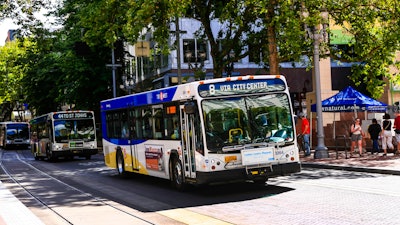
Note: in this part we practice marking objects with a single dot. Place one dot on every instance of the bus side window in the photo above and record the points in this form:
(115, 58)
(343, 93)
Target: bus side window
(138, 123)
(124, 126)
(132, 122)
(158, 124)
(125, 130)
(147, 126)
(176, 131)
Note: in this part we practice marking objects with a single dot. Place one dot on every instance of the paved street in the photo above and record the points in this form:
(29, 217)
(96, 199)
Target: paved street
(314, 196)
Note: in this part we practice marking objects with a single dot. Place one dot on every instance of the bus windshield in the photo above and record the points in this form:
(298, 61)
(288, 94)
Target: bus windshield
(66, 130)
(248, 119)
(17, 131)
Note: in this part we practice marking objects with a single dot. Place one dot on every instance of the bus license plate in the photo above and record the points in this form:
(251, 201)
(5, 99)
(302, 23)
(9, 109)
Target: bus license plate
(257, 156)
(76, 144)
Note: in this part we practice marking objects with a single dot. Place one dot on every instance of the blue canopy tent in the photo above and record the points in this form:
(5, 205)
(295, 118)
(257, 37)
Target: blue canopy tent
(349, 100)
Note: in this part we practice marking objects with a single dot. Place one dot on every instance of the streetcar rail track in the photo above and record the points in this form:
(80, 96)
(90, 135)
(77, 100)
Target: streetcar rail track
(43, 202)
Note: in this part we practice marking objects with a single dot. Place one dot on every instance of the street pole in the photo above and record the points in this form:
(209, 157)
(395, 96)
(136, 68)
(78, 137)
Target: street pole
(321, 151)
(114, 68)
(113, 73)
(178, 50)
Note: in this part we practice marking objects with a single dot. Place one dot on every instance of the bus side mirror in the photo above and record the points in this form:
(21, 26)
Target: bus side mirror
(190, 108)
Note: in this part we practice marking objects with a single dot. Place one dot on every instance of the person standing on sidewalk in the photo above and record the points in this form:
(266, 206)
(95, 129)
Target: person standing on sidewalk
(374, 131)
(386, 134)
(305, 132)
(356, 136)
(396, 127)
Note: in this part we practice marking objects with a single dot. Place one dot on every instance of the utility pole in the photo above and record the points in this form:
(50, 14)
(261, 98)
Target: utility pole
(114, 68)
(178, 50)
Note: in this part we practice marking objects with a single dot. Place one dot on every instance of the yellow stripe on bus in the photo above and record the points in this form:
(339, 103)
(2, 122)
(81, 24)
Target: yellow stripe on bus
(192, 218)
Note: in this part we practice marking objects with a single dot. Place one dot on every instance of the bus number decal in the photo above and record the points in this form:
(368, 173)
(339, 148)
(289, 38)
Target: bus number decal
(212, 89)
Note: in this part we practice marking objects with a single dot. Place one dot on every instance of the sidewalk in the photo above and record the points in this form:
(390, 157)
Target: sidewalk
(13, 212)
(389, 164)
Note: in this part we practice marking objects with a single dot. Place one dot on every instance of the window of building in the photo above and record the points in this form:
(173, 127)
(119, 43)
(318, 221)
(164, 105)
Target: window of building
(195, 50)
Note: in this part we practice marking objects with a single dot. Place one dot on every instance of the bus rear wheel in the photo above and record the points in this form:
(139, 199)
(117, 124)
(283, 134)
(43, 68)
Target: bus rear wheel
(120, 163)
(177, 175)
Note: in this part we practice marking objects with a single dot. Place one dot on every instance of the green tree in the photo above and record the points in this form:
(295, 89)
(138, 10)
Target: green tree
(263, 24)
(281, 35)
(276, 27)
(24, 14)
(58, 76)
(12, 72)
(375, 28)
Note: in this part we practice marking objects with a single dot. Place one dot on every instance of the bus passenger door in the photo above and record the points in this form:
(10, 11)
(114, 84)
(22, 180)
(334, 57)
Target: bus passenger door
(188, 135)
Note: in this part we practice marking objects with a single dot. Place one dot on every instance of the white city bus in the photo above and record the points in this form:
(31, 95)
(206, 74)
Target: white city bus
(203, 132)
(14, 135)
(64, 134)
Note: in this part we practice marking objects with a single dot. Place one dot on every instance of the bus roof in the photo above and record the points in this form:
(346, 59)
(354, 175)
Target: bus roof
(172, 93)
(58, 113)
(12, 122)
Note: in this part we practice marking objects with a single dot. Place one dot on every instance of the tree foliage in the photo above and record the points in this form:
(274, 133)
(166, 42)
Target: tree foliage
(375, 27)
(277, 27)
(58, 76)
(48, 70)
(24, 14)
(53, 72)
(12, 71)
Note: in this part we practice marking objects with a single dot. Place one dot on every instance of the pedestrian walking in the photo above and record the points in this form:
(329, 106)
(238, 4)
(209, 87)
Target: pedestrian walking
(396, 127)
(386, 134)
(357, 135)
(305, 132)
(374, 131)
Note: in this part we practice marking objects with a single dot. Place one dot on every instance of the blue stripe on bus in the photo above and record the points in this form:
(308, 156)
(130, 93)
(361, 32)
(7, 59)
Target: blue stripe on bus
(145, 98)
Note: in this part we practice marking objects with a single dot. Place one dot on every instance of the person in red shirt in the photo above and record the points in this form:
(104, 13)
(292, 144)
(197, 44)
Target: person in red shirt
(305, 131)
(396, 127)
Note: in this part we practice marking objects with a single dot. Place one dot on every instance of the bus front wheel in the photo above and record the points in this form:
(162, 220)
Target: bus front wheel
(120, 163)
(177, 175)
(50, 156)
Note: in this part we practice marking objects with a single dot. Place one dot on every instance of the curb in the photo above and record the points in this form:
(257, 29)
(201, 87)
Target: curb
(351, 168)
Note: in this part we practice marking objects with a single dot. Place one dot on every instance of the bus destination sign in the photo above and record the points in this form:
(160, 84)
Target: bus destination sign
(73, 115)
(241, 87)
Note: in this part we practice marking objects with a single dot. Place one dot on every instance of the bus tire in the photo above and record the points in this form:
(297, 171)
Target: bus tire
(49, 155)
(177, 175)
(120, 163)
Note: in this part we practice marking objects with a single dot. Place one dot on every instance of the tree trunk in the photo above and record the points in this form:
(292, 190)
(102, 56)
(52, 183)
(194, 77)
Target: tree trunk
(272, 45)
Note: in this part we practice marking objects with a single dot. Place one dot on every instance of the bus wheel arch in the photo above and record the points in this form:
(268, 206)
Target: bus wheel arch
(177, 173)
(120, 162)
